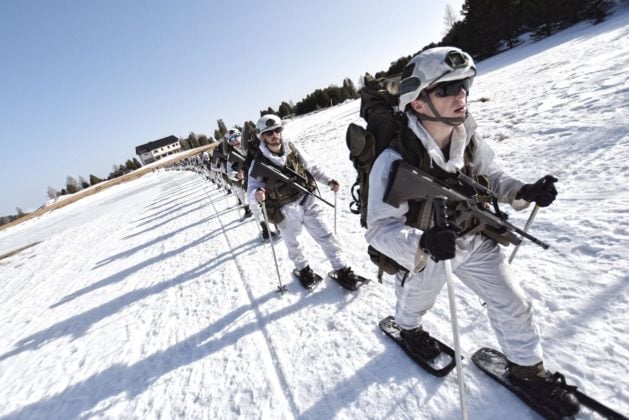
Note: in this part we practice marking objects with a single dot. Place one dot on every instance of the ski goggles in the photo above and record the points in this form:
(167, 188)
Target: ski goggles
(234, 138)
(277, 130)
(453, 88)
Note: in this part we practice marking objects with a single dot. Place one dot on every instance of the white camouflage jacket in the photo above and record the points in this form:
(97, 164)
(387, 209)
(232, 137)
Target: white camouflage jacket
(386, 228)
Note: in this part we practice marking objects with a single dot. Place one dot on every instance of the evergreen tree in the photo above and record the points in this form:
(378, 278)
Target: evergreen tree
(269, 110)
(137, 163)
(221, 131)
(449, 19)
(597, 10)
(83, 183)
(203, 140)
(249, 140)
(52, 192)
(284, 110)
(193, 140)
(221, 126)
(94, 179)
(349, 89)
(72, 185)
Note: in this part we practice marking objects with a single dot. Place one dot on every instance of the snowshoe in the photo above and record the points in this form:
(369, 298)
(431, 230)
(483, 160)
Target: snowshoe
(439, 365)
(550, 396)
(420, 343)
(348, 279)
(308, 278)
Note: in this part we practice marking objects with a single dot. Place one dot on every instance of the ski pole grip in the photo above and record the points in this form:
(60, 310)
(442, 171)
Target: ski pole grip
(439, 209)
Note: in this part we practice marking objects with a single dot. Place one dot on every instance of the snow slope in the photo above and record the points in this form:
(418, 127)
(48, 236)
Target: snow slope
(153, 300)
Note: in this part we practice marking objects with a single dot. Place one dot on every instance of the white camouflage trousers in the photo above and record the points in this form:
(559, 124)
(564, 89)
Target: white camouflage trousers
(309, 215)
(480, 264)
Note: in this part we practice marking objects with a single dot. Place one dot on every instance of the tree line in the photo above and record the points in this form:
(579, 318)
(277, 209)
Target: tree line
(319, 99)
(492, 26)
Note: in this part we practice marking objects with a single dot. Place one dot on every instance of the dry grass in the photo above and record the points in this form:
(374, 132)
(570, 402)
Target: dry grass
(16, 251)
(104, 185)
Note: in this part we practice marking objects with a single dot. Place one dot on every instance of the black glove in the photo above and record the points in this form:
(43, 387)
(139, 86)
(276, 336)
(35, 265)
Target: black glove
(543, 192)
(439, 242)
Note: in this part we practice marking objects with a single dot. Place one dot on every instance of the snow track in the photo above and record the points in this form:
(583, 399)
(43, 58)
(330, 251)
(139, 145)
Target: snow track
(273, 360)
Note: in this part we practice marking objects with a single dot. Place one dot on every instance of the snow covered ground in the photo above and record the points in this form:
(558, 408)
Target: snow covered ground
(153, 300)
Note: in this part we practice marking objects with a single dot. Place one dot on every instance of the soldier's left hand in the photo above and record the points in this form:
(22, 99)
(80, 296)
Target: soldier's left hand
(543, 192)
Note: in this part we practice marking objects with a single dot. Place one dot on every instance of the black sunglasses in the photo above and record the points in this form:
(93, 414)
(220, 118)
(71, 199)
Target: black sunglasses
(451, 88)
(278, 130)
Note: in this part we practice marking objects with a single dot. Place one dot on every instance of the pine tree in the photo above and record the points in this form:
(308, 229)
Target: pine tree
(284, 110)
(83, 183)
(449, 19)
(52, 192)
(268, 111)
(72, 185)
(349, 88)
(221, 131)
(597, 10)
(203, 140)
(94, 179)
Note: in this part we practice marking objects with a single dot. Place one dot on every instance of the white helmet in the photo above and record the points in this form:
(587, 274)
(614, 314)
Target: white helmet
(266, 123)
(233, 135)
(205, 156)
(434, 65)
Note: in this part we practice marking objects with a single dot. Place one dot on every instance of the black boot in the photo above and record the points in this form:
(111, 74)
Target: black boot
(247, 212)
(347, 278)
(420, 342)
(307, 277)
(266, 232)
(549, 389)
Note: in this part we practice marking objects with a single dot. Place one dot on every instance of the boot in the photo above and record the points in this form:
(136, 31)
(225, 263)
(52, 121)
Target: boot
(347, 278)
(307, 277)
(266, 232)
(247, 212)
(420, 342)
(548, 388)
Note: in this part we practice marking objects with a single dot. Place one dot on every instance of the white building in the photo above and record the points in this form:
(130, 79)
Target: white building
(155, 150)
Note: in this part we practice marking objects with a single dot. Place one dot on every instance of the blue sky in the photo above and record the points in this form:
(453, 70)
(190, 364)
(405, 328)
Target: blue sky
(83, 82)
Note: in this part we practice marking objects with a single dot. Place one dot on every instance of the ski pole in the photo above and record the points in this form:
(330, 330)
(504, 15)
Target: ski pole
(281, 288)
(335, 213)
(439, 205)
(526, 228)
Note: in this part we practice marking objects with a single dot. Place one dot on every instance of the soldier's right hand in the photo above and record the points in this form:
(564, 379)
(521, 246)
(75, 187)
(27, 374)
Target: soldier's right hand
(260, 196)
(439, 242)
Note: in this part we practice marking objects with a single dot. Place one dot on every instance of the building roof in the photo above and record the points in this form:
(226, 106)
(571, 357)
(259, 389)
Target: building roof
(152, 145)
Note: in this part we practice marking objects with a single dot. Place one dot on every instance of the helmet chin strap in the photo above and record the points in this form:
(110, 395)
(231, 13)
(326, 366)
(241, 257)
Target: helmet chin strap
(453, 121)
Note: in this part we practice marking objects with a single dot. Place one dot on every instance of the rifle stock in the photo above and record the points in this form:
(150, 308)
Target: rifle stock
(273, 175)
(409, 183)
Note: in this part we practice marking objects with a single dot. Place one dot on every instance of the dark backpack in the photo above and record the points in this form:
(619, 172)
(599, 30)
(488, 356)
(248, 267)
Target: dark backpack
(378, 107)
(378, 103)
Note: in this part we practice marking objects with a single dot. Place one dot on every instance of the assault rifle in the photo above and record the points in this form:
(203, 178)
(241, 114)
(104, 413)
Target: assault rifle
(217, 156)
(236, 159)
(409, 183)
(273, 175)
